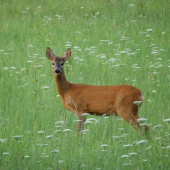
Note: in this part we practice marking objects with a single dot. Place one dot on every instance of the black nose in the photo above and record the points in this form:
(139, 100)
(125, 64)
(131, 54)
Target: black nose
(57, 71)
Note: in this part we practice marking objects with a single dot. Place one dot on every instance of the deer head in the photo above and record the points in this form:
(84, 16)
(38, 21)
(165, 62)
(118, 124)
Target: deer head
(57, 62)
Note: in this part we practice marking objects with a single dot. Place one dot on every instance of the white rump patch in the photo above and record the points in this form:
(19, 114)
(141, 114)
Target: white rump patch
(143, 98)
(138, 103)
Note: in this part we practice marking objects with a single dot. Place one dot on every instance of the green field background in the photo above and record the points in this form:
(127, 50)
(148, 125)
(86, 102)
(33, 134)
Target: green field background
(112, 42)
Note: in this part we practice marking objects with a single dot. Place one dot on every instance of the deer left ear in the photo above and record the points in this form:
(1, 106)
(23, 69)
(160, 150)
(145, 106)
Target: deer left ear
(67, 54)
(49, 53)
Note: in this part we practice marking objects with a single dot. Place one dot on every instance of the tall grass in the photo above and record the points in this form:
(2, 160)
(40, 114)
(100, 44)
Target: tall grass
(112, 42)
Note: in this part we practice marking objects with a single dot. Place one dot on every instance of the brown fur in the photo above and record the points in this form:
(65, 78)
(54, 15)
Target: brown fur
(95, 100)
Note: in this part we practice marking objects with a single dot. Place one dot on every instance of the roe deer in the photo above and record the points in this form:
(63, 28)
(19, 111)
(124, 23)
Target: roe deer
(96, 100)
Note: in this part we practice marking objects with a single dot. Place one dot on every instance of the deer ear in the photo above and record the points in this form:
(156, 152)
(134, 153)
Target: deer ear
(49, 53)
(67, 54)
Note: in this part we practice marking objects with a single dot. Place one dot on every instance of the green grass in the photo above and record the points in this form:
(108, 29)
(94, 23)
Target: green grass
(112, 42)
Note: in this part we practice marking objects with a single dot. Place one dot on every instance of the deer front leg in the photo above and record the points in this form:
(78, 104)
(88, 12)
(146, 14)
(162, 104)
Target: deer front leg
(79, 126)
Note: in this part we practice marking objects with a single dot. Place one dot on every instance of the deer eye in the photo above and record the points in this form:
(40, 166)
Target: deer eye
(62, 64)
(52, 63)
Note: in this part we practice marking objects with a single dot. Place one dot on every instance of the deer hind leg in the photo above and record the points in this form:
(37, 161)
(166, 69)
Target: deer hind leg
(130, 115)
(135, 114)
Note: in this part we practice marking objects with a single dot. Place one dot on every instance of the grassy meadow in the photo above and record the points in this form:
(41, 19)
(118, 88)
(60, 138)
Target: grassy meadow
(112, 42)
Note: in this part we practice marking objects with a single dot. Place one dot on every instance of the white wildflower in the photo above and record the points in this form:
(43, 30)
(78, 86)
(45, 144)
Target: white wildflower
(91, 119)
(141, 142)
(167, 147)
(87, 122)
(132, 5)
(111, 60)
(105, 40)
(77, 32)
(143, 124)
(3, 140)
(5, 153)
(85, 114)
(58, 131)
(85, 130)
(127, 164)
(157, 126)
(59, 122)
(154, 91)
(138, 103)
(150, 147)
(125, 156)
(6, 68)
(67, 130)
(166, 120)
(23, 69)
(133, 153)
(38, 66)
(115, 137)
(45, 87)
(104, 145)
(30, 45)
(48, 137)
(77, 120)
(134, 80)
(55, 151)
(110, 43)
(142, 119)
(120, 129)
(103, 56)
(158, 138)
(149, 30)
(68, 45)
(124, 135)
(128, 145)
(40, 132)
(18, 137)
(26, 156)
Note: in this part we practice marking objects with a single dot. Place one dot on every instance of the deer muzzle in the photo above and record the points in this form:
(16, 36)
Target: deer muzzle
(57, 71)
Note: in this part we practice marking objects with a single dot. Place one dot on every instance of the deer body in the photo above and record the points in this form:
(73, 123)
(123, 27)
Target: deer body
(95, 100)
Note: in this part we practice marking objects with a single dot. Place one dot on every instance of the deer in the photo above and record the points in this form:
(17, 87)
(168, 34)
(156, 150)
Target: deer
(119, 100)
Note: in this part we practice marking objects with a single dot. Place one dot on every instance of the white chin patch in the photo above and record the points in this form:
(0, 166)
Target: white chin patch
(56, 73)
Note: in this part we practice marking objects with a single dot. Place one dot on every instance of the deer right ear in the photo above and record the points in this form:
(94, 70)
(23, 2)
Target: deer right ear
(49, 53)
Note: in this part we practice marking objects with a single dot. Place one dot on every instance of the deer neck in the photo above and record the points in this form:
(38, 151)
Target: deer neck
(61, 83)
